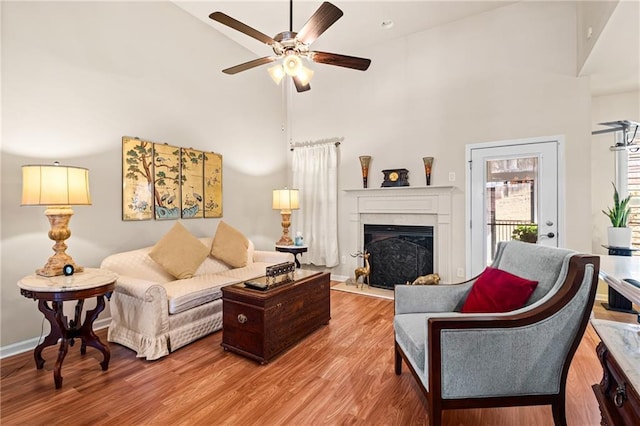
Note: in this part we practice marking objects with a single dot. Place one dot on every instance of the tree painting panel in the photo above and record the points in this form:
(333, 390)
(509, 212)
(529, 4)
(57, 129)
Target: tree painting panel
(137, 179)
(166, 193)
(192, 162)
(212, 185)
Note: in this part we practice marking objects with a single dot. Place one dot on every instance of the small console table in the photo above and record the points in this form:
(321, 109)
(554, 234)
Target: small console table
(295, 250)
(622, 275)
(619, 354)
(55, 291)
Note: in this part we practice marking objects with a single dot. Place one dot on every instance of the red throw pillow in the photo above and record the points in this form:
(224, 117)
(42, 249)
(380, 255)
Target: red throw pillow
(496, 290)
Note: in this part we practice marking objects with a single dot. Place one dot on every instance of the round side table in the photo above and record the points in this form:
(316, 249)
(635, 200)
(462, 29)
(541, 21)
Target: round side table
(51, 293)
(295, 250)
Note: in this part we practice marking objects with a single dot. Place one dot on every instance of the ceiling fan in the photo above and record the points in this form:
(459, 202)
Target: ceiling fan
(291, 47)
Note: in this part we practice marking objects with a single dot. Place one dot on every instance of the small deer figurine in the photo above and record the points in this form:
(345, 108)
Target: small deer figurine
(364, 271)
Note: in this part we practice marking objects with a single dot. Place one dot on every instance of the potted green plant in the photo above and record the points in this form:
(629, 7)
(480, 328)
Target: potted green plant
(527, 233)
(619, 235)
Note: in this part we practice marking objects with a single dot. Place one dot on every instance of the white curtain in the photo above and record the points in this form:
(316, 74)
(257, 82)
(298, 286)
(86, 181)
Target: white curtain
(315, 175)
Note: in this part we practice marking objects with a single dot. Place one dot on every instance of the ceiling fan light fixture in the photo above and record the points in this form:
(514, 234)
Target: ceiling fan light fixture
(292, 64)
(276, 73)
(305, 75)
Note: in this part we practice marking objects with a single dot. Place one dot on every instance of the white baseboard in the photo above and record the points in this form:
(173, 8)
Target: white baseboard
(30, 344)
(335, 277)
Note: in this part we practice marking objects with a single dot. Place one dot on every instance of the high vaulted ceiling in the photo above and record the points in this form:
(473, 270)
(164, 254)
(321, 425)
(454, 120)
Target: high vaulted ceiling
(613, 64)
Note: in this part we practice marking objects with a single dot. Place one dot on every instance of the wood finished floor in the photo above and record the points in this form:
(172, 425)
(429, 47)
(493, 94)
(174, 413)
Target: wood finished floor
(340, 375)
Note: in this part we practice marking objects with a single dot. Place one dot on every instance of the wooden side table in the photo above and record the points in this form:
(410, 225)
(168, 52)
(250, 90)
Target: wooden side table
(295, 250)
(56, 290)
(619, 354)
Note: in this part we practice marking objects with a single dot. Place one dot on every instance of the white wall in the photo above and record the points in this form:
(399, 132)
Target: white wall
(592, 19)
(620, 106)
(76, 77)
(506, 74)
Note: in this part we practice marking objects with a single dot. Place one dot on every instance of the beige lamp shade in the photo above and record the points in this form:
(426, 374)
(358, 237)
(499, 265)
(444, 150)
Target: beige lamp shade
(285, 199)
(55, 185)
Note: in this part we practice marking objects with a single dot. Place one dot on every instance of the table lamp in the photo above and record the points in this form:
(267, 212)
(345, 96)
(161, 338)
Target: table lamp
(285, 200)
(57, 187)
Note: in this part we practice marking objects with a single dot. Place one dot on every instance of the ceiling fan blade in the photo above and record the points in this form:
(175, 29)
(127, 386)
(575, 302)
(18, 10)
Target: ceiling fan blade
(340, 60)
(326, 15)
(243, 28)
(251, 64)
(299, 86)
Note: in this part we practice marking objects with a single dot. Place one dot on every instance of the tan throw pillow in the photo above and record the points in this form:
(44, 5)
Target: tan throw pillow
(230, 246)
(179, 252)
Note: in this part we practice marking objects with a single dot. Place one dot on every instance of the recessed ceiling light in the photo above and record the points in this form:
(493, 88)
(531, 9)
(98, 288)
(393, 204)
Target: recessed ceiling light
(387, 24)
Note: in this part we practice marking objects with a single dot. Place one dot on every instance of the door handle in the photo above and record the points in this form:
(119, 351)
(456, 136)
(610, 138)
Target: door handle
(547, 235)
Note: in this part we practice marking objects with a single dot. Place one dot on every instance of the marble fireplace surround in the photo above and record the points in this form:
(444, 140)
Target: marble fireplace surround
(421, 206)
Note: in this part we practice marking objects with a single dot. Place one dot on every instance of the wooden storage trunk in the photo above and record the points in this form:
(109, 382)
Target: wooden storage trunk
(260, 324)
(618, 399)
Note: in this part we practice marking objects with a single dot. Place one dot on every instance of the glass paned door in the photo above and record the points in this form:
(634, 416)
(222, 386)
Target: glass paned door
(511, 201)
(513, 195)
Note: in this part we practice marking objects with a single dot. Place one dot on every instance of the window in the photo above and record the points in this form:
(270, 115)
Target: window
(633, 182)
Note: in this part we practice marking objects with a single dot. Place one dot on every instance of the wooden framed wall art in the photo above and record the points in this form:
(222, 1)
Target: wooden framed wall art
(166, 164)
(212, 185)
(137, 179)
(162, 181)
(192, 162)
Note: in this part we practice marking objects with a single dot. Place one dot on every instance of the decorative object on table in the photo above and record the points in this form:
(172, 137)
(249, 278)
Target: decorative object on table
(527, 233)
(284, 268)
(289, 47)
(275, 275)
(363, 271)
(365, 160)
(285, 200)
(430, 279)
(68, 270)
(299, 239)
(619, 235)
(428, 164)
(395, 177)
(57, 187)
(167, 182)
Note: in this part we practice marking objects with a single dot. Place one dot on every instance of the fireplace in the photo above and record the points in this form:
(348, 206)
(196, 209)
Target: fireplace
(398, 253)
(411, 206)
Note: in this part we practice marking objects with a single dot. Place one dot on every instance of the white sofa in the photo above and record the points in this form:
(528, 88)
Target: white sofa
(154, 314)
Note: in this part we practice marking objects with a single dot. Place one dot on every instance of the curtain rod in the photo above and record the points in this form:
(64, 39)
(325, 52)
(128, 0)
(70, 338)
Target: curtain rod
(335, 141)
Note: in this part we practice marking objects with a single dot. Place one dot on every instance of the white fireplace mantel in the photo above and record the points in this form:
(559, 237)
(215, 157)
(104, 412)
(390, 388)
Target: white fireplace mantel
(408, 205)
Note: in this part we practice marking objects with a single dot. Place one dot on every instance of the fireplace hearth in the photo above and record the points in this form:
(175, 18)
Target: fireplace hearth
(398, 253)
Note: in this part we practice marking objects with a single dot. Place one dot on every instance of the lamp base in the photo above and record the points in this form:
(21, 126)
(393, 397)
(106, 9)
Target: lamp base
(285, 239)
(59, 219)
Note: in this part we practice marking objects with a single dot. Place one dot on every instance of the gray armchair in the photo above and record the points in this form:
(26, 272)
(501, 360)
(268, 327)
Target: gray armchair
(498, 360)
